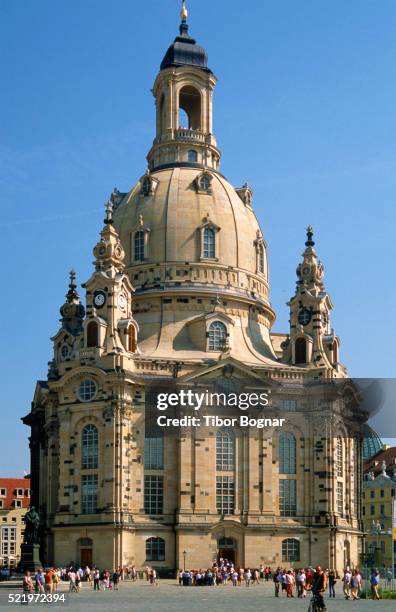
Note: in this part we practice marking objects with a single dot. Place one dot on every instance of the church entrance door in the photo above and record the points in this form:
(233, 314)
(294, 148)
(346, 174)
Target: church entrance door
(227, 549)
(227, 553)
(86, 557)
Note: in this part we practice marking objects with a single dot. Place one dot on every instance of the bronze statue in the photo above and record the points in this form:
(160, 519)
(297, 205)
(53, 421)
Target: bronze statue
(32, 524)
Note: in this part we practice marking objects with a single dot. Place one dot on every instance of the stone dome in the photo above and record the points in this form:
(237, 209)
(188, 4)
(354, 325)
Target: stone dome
(194, 250)
(173, 214)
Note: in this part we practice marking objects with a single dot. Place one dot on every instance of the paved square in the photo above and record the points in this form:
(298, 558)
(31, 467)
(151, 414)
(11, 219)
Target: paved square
(169, 596)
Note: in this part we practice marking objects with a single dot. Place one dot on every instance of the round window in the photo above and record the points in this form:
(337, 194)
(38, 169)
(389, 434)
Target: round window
(87, 390)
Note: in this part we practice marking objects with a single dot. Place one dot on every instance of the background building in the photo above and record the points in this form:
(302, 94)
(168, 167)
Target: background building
(180, 296)
(14, 502)
(379, 490)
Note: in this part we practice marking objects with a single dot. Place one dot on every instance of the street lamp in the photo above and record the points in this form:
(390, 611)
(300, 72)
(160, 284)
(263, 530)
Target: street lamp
(184, 559)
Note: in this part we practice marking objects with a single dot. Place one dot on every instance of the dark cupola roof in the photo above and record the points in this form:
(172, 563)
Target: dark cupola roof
(184, 50)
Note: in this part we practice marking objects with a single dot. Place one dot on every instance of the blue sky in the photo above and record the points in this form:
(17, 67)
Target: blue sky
(304, 111)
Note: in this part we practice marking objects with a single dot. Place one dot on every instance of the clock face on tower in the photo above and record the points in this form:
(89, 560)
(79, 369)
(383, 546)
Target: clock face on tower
(122, 301)
(304, 316)
(99, 299)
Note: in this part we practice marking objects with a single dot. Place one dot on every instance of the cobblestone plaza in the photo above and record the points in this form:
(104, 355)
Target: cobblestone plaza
(168, 595)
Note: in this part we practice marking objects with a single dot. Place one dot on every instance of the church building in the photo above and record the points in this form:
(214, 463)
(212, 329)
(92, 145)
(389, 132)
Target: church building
(179, 296)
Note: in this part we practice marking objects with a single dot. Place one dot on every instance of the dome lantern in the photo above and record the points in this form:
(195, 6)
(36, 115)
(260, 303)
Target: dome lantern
(183, 91)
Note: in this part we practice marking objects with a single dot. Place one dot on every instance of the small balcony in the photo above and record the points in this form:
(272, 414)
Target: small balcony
(188, 134)
(90, 353)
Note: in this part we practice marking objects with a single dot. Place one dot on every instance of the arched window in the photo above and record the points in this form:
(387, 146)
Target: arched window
(217, 336)
(155, 549)
(192, 156)
(139, 246)
(260, 259)
(209, 243)
(205, 182)
(301, 350)
(287, 453)
(225, 450)
(190, 103)
(92, 334)
(132, 339)
(290, 550)
(89, 445)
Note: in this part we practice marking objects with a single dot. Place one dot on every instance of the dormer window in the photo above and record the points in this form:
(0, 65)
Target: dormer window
(203, 183)
(149, 185)
(140, 242)
(138, 245)
(209, 242)
(261, 261)
(246, 194)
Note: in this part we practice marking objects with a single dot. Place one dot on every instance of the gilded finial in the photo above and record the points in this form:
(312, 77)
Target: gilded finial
(183, 28)
(184, 12)
(309, 242)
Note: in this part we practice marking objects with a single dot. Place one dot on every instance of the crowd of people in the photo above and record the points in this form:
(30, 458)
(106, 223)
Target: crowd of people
(289, 582)
(47, 581)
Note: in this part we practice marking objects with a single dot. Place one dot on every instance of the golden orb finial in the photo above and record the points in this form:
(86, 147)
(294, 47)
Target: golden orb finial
(184, 12)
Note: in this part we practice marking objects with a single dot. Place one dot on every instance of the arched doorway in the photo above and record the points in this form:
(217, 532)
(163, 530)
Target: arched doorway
(84, 546)
(300, 351)
(190, 108)
(227, 549)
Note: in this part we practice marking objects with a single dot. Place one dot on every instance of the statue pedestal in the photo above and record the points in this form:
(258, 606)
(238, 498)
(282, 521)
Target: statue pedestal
(30, 557)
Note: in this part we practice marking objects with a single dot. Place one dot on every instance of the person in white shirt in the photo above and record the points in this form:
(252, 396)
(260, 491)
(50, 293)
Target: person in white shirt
(347, 583)
(72, 582)
(248, 577)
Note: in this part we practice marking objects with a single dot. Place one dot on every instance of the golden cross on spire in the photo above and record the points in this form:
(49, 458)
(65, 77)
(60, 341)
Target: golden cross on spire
(184, 12)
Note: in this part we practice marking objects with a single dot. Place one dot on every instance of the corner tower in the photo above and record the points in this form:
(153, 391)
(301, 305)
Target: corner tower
(313, 343)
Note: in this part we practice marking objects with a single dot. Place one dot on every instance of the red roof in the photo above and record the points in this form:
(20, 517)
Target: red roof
(12, 487)
(375, 463)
